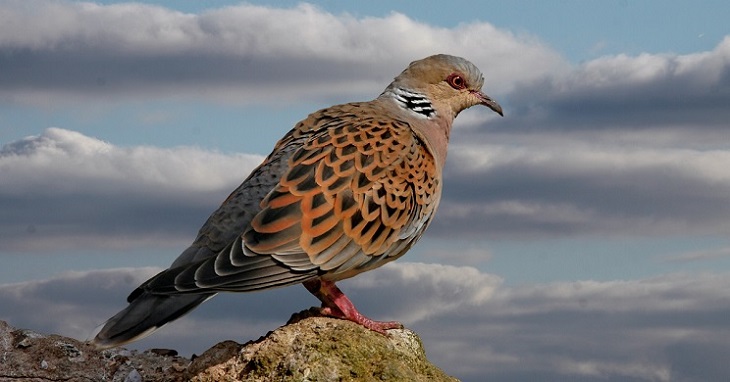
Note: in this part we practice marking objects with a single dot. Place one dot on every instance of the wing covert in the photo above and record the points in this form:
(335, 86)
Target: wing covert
(340, 196)
(350, 193)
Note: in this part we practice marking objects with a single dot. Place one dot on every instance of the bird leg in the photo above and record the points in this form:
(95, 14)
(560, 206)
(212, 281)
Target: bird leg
(336, 304)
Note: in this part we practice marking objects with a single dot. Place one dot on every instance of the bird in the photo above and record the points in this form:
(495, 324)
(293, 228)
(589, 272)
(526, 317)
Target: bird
(348, 189)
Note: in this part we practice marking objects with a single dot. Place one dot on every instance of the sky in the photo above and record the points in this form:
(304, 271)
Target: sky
(582, 237)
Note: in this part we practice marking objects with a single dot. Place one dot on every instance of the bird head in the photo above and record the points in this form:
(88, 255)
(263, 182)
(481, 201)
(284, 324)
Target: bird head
(452, 84)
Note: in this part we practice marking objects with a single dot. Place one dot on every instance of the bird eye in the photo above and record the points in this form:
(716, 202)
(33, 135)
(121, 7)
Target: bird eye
(456, 81)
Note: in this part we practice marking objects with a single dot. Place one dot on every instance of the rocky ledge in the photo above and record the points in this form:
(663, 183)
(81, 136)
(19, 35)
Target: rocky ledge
(308, 348)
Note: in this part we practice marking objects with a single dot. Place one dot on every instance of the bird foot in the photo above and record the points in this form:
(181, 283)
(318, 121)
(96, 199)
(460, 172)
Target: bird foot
(336, 304)
(376, 326)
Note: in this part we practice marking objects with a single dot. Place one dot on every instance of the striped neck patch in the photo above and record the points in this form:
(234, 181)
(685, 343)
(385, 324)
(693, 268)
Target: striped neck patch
(415, 102)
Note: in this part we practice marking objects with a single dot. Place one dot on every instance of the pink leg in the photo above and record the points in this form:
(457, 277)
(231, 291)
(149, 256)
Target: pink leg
(336, 304)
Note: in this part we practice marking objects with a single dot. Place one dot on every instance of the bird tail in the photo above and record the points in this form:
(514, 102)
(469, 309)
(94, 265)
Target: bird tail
(144, 315)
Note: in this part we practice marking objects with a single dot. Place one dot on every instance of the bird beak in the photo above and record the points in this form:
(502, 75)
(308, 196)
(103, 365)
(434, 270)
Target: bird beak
(488, 102)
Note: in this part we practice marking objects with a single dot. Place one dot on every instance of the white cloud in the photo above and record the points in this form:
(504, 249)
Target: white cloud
(70, 304)
(647, 68)
(552, 188)
(647, 330)
(58, 157)
(644, 330)
(102, 195)
(416, 291)
(621, 145)
(410, 292)
(647, 92)
(62, 189)
(85, 51)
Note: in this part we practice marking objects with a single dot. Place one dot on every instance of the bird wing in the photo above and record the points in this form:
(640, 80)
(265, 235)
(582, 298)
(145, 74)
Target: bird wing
(343, 192)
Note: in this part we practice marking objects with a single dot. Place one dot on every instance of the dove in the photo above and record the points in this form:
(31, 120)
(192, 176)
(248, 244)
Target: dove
(347, 190)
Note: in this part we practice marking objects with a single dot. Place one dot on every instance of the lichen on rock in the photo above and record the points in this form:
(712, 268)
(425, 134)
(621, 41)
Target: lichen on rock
(308, 348)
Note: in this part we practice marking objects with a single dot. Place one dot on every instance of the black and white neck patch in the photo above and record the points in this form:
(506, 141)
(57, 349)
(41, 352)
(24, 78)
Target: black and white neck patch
(415, 102)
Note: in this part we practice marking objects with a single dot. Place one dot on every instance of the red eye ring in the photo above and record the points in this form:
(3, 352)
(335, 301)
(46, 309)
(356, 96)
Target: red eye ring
(456, 81)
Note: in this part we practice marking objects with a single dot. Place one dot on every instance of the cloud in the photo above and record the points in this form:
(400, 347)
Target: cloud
(669, 327)
(431, 290)
(639, 330)
(699, 255)
(619, 94)
(70, 304)
(584, 189)
(62, 189)
(617, 146)
(410, 292)
(59, 51)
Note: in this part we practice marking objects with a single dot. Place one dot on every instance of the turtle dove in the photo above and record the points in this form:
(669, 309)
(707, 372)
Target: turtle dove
(348, 189)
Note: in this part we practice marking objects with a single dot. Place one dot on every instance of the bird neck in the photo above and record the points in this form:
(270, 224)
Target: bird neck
(435, 134)
(433, 120)
(412, 101)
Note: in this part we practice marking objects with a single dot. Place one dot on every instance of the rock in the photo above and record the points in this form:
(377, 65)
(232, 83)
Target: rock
(311, 348)
(29, 356)
(308, 348)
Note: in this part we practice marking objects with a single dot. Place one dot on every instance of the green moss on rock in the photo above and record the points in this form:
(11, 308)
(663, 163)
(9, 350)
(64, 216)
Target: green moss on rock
(320, 349)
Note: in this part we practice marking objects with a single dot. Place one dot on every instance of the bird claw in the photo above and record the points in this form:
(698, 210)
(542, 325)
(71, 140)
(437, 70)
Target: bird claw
(376, 326)
(336, 304)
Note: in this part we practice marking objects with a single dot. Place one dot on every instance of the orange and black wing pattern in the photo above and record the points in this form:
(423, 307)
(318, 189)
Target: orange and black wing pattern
(345, 191)
(358, 192)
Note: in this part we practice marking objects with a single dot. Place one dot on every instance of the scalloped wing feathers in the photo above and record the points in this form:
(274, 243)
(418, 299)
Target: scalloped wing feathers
(347, 190)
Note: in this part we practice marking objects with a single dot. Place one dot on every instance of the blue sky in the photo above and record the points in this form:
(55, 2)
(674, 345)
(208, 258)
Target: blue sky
(597, 208)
